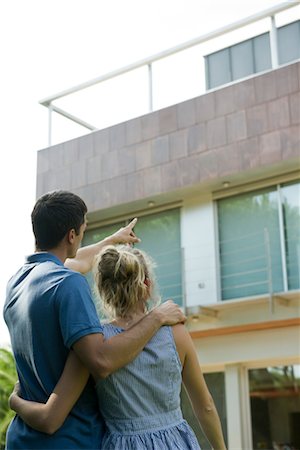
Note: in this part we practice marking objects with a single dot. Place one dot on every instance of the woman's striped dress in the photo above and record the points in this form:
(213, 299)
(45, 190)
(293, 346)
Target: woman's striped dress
(140, 403)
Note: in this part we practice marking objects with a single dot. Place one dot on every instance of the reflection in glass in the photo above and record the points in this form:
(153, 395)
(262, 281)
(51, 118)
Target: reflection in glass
(160, 235)
(275, 407)
(160, 238)
(244, 265)
(288, 42)
(91, 237)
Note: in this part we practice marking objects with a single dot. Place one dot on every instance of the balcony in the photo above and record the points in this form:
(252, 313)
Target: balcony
(143, 76)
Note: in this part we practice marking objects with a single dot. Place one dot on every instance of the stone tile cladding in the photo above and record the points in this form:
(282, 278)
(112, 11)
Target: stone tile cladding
(241, 127)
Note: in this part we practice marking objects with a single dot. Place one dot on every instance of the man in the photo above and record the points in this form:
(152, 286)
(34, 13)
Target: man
(49, 311)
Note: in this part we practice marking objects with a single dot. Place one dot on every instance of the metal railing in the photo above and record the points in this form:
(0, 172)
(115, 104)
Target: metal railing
(250, 266)
(148, 62)
(254, 266)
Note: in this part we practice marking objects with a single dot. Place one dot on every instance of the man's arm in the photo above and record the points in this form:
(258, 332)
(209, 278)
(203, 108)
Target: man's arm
(85, 256)
(103, 357)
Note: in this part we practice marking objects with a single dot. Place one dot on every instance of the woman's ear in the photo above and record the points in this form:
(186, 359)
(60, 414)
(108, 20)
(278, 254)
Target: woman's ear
(147, 282)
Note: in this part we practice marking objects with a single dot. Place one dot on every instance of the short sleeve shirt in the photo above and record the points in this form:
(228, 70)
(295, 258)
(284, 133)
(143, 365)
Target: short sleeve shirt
(48, 308)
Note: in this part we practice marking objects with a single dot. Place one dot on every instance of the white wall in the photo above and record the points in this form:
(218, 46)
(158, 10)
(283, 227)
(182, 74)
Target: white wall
(198, 241)
(252, 347)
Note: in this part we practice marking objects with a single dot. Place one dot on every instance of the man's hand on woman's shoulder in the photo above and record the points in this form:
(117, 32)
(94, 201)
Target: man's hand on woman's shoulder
(169, 313)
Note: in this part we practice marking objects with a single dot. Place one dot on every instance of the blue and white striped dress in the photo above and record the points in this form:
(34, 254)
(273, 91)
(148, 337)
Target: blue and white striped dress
(140, 403)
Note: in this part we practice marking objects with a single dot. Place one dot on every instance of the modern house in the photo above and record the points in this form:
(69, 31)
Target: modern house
(215, 183)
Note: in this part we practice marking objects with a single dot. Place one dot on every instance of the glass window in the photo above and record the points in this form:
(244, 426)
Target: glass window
(216, 385)
(289, 42)
(218, 68)
(251, 56)
(244, 263)
(262, 53)
(242, 60)
(160, 238)
(91, 237)
(275, 407)
(238, 61)
(290, 195)
(97, 234)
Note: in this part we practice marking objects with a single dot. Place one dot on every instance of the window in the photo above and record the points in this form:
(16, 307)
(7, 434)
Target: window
(160, 235)
(290, 194)
(275, 407)
(91, 237)
(251, 56)
(160, 238)
(218, 68)
(216, 385)
(238, 61)
(242, 60)
(289, 42)
(259, 242)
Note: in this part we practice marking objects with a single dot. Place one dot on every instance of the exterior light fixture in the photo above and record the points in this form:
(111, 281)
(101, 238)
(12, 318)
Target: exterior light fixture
(226, 184)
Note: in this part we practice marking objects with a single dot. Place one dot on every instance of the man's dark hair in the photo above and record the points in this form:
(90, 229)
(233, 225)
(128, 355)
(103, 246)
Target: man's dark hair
(54, 215)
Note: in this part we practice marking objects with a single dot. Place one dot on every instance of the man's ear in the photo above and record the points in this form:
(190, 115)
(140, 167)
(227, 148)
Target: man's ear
(71, 236)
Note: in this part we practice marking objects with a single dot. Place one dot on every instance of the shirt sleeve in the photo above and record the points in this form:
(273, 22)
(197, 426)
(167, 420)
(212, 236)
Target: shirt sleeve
(77, 312)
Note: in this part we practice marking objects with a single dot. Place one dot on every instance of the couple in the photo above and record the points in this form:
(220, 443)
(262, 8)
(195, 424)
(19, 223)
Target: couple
(137, 360)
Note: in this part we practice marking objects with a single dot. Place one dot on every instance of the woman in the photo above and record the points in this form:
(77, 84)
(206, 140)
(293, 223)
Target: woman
(140, 403)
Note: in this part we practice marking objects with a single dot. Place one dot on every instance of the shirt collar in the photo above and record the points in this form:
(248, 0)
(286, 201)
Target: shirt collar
(40, 257)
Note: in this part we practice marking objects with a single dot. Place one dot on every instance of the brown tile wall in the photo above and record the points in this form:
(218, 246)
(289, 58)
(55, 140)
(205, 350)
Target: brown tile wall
(244, 127)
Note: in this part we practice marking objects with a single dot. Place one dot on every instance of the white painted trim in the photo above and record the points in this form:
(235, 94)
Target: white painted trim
(138, 213)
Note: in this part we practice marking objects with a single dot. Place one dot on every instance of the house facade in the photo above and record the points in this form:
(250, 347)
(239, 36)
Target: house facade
(215, 184)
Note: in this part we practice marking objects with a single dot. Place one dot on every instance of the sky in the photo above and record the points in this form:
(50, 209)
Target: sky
(51, 45)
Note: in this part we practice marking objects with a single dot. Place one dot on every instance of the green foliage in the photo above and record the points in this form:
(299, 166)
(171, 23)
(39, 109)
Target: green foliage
(8, 378)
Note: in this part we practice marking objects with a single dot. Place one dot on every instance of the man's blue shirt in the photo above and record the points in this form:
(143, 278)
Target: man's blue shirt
(48, 308)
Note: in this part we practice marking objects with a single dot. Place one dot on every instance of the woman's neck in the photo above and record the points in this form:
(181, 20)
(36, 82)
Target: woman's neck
(129, 320)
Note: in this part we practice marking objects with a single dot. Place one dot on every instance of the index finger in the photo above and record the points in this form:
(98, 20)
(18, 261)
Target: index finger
(132, 223)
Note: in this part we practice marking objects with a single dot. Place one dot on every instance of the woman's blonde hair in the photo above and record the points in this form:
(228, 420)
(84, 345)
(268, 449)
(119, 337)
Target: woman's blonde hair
(124, 277)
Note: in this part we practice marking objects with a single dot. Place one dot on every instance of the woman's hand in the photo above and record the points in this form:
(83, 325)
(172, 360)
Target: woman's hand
(15, 393)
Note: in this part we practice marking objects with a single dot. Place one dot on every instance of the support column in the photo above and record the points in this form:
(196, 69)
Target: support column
(274, 43)
(233, 407)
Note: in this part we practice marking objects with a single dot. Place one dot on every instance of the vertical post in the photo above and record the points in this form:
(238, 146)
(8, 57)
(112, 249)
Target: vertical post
(183, 281)
(233, 407)
(217, 252)
(269, 269)
(274, 43)
(298, 261)
(246, 408)
(150, 87)
(282, 239)
(50, 110)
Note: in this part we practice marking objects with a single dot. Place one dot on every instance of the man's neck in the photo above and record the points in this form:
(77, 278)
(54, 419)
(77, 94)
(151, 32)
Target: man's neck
(60, 253)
